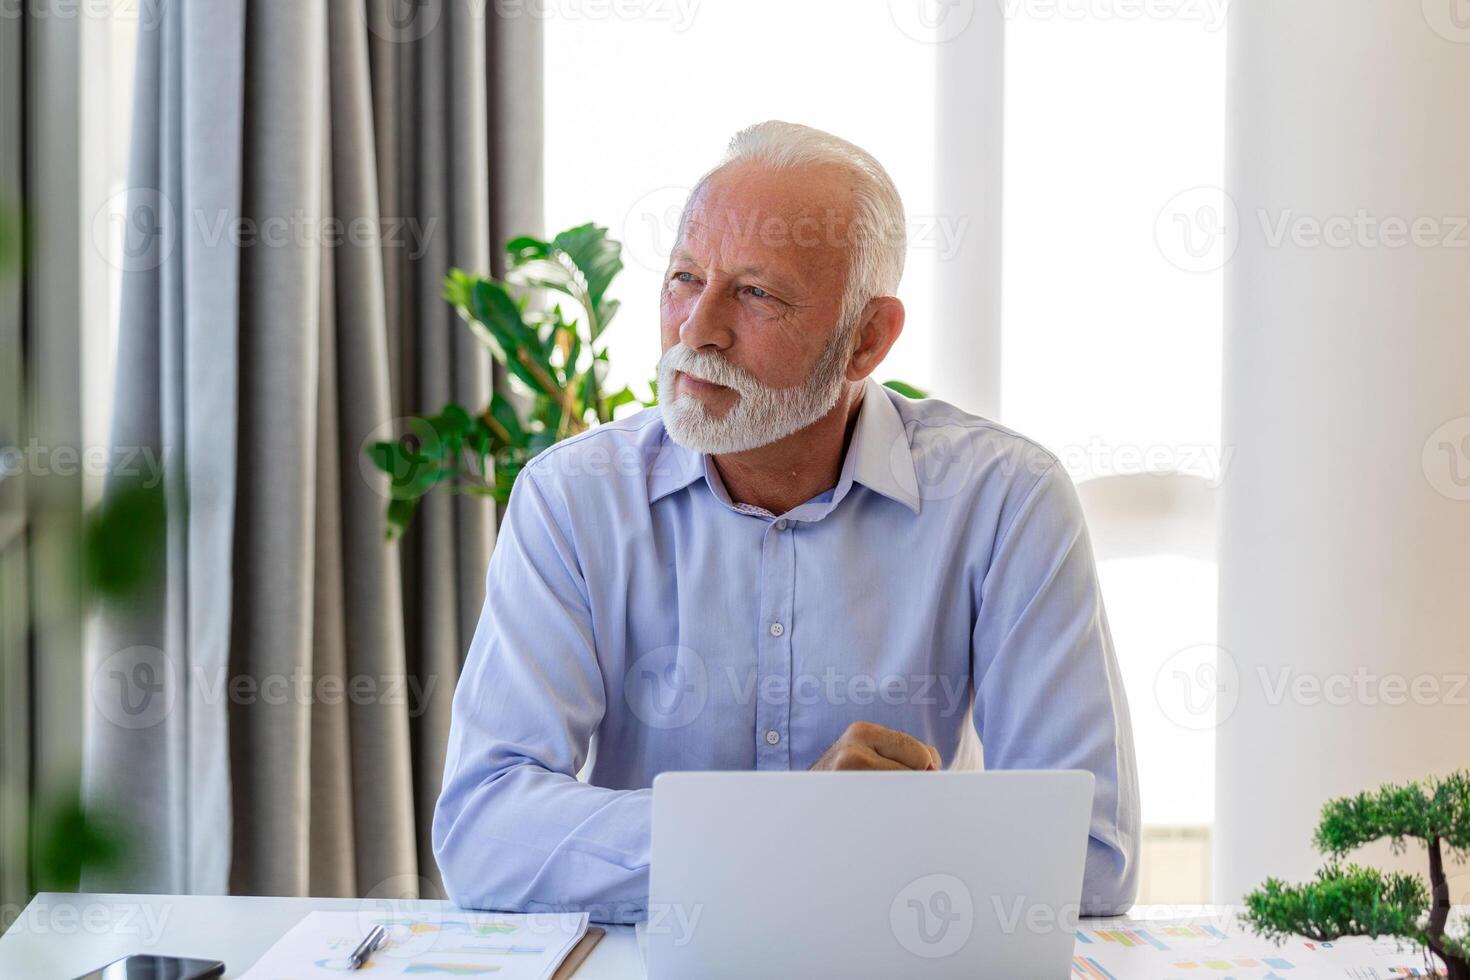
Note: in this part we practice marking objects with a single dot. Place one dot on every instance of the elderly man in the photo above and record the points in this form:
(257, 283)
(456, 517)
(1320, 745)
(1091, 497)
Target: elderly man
(784, 566)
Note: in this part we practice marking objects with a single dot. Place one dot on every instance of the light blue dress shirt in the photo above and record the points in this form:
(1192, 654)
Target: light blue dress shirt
(637, 621)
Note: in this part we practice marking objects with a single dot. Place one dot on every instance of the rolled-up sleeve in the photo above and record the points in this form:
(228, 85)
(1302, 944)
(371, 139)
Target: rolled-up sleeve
(514, 829)
(1048, 694)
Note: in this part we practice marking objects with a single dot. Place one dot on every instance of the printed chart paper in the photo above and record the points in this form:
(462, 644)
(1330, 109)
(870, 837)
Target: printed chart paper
(1221, 949)
(424, 945)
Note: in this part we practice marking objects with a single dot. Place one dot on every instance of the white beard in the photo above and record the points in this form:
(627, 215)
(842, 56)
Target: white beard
(762, 415)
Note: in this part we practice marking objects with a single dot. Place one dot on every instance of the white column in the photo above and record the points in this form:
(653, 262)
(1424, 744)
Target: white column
(1345, 523)
(969, 115)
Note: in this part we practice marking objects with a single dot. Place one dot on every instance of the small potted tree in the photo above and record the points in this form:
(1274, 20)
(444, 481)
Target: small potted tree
(1351, 900)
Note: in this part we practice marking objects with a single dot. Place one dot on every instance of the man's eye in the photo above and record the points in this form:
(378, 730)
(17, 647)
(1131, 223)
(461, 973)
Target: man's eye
(683, 277)
(759, 293)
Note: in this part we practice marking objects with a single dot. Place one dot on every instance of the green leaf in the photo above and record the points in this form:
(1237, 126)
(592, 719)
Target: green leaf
(413, 462)
(1342, 901)
(504, 414)
(71, 838)
(1436, 808)
(526, 247)
(580, 262)
(905, 389)
(124, 539)
(400, 512)
(618, 399)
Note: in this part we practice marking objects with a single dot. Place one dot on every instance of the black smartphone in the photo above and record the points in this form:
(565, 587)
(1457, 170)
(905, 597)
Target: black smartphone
(156, 968)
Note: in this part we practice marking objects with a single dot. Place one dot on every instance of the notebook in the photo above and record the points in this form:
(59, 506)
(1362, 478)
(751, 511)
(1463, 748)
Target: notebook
(426, 944)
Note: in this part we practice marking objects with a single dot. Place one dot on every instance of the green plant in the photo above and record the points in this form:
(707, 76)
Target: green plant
(1356, 901)
(557, 357)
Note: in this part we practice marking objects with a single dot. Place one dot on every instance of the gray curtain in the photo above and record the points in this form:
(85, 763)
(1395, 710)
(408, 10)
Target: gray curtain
(306, 666)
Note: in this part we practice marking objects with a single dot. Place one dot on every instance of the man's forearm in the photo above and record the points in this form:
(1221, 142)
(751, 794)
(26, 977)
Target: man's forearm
(531, 840)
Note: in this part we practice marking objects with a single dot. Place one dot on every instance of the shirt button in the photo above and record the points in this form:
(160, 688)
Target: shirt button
(777, 629)
(772, 737)
(781, 524)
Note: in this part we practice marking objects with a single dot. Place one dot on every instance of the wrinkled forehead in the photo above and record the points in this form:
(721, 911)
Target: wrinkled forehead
(803, 215)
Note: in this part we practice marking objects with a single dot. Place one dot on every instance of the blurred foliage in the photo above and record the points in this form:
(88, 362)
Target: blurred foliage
(120, 547)
(123, 541)
(70, 838)
(556, 357)
(1358, 901)
(10, 237)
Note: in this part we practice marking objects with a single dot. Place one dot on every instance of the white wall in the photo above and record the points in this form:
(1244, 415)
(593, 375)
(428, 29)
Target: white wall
(1345, 538)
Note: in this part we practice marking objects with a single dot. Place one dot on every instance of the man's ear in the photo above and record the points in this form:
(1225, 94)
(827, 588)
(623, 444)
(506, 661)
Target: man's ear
(882, 323)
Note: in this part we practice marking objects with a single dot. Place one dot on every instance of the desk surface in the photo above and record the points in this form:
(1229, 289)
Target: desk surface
(59, 936)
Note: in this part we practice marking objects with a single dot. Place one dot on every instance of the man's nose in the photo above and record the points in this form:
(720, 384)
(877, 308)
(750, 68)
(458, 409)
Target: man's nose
(707, 325)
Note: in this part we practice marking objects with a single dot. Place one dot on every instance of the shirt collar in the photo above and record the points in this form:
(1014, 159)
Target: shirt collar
(879, 457)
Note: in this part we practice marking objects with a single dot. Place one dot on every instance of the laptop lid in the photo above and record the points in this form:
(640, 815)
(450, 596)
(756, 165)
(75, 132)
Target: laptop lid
(866, 874)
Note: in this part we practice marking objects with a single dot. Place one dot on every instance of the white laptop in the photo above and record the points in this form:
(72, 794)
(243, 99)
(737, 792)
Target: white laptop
(866, 874)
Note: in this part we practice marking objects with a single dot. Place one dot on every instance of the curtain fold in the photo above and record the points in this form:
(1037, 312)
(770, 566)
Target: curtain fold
(308, 663)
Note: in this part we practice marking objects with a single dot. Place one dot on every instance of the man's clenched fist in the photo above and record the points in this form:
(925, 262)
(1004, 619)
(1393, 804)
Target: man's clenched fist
(868, 746)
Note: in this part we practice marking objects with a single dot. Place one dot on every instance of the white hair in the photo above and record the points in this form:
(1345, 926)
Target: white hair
(877, 232)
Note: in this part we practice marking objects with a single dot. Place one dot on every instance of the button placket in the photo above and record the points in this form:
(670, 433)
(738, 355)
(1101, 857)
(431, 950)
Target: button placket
(773, 674)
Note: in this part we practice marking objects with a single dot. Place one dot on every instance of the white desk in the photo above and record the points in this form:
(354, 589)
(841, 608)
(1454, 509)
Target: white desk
(60, 936)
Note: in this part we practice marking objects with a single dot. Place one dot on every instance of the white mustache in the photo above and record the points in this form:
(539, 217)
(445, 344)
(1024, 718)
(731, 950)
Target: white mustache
(708, 367)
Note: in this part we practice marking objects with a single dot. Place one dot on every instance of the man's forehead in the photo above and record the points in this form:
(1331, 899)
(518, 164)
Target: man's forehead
(767, 220)
(749, 191)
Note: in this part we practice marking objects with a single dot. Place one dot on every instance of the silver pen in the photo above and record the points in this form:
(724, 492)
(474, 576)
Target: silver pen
(364, 949)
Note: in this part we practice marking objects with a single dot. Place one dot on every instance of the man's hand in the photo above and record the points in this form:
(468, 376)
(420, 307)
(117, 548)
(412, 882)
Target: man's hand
(868, 746)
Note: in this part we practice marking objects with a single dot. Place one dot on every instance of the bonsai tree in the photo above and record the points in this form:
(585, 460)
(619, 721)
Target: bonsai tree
(1356, 901)
(557, 360)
